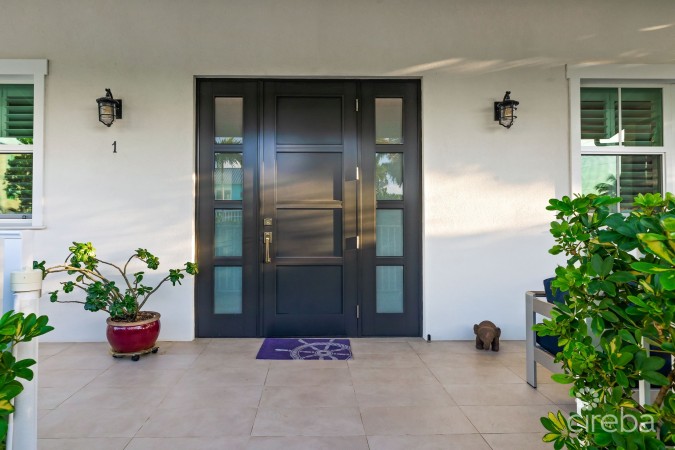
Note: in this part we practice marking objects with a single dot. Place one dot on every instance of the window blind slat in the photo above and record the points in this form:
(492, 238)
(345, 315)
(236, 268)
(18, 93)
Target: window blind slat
(16, 113)
(642, 117)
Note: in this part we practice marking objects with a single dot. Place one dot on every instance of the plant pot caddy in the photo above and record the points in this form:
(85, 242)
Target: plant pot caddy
(134, 339)
(131, 331)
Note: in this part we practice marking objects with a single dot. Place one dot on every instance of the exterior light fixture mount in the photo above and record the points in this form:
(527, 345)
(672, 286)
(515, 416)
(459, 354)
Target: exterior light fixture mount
(109, 108)
(505, 110)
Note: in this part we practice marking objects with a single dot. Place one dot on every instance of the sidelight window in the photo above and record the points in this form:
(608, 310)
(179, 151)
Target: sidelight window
(389, 121)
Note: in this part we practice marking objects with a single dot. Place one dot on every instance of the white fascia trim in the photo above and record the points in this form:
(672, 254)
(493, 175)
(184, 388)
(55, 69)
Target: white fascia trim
(617, 72)
(23, 67)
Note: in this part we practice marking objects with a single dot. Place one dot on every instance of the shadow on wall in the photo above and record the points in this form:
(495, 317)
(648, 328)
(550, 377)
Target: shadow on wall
(484, 276)
(473, 201)
(474, 66)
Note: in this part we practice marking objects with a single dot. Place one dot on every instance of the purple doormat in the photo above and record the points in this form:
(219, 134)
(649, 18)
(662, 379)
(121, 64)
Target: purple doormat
(316, 348)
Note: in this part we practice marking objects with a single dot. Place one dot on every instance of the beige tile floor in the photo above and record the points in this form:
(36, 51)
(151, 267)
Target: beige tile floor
(213, 394)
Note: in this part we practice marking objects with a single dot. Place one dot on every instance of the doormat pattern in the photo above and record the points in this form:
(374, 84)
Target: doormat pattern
(315, 348)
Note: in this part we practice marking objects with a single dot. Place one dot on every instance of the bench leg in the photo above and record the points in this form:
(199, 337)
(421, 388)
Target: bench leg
(531, 368)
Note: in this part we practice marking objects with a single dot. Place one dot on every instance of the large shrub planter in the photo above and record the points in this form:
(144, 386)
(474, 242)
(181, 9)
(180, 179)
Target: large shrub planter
(133, 337)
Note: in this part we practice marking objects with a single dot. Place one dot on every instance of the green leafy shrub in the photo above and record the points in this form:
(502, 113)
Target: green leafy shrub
(15, 328)
(102, 292)
(620, 275)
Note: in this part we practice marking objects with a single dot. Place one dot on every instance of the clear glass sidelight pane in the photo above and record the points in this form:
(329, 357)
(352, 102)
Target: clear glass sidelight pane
(16, 114)
(389, 121)
(599, 117)
(624, 176)
(389, 176)
(227, 290)
(228, 176)
(228, 232)
(229, 120)
(389, 232)
(389, 289)
(16, 189)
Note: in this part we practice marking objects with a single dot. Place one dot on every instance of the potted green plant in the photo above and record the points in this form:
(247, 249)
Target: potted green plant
(620, 304)
(130, 330)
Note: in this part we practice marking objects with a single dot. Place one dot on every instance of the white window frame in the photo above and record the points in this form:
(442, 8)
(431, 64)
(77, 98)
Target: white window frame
(625, 75)
(29, 71)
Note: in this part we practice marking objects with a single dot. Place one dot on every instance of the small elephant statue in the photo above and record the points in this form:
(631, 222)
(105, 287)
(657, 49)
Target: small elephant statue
(487, 335)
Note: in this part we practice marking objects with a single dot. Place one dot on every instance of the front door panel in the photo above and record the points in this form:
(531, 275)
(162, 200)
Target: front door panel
(309, 280)
(308, 208)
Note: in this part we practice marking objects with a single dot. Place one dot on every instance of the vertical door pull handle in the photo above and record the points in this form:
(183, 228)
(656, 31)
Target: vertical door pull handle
(267, 239)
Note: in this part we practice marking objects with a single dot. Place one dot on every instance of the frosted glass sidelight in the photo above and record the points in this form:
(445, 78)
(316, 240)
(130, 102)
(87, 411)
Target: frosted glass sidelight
(229, 127)
(389, 121)
(389, 232)
(227, 290)
(228, 232)
(389, 289)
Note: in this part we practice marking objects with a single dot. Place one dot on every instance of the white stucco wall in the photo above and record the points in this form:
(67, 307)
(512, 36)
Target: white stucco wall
(485, 188)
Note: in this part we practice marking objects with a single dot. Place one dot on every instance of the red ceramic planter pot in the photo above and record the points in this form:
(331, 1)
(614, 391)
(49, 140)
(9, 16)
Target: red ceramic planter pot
(130, 337)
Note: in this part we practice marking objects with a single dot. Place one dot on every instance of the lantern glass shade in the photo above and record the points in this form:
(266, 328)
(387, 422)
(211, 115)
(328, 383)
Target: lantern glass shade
(109, 108)
(506, 119)
(106, 113)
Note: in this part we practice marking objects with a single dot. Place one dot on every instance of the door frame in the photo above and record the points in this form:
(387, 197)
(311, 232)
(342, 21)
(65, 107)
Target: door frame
(415, 292)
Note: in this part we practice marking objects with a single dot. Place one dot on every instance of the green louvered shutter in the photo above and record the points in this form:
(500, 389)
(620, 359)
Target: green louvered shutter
(642, 117)
(16, 113)
(599, 116)
(640, 174)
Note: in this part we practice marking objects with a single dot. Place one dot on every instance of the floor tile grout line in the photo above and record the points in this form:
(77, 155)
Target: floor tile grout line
(127, 444)
(470, 421)
(356, 401)
(257, 409)
(486, 441)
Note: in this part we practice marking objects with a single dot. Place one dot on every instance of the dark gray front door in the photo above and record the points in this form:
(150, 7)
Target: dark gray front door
(309, 208)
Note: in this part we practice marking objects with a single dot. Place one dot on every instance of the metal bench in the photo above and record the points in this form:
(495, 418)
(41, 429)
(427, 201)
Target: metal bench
(535, 303)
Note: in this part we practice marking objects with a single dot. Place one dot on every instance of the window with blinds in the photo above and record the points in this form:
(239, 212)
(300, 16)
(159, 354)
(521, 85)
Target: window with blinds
(16, 114)
(616, 118)
(622, 176)
(16, 147)
(640, 121)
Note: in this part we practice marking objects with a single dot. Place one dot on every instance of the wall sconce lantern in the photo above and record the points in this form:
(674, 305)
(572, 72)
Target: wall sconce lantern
(109, 109)
(504, 110)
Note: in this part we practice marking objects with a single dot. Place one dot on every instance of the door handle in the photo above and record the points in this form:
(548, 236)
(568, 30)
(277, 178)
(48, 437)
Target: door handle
(267, 239)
